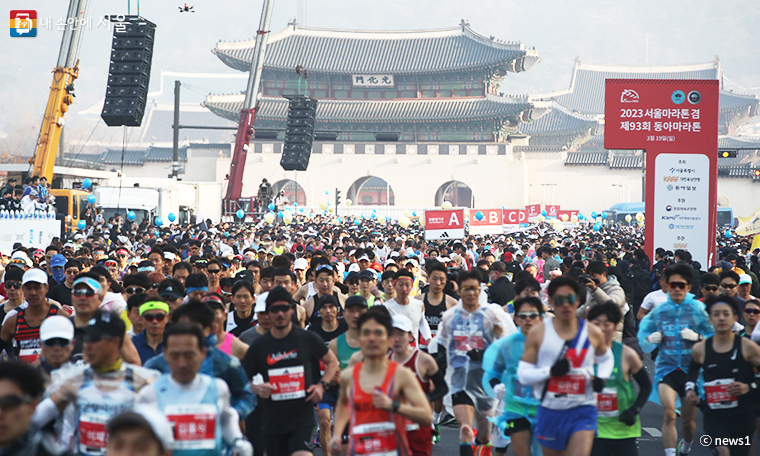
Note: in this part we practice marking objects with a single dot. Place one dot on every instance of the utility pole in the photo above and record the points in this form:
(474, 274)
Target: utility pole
(175, 146)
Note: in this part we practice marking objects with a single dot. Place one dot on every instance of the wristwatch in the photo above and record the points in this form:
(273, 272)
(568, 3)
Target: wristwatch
(325, 385)
(395, 406)
(753, 386)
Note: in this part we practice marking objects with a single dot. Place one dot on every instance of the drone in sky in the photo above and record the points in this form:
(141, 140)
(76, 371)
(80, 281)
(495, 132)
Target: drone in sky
(186, 9)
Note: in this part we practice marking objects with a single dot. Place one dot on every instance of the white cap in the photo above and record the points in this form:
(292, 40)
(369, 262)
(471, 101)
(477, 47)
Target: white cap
(351, 253)
(5, 252)
(261, 303)
(353, 268)
(78, 236)
(170, 256)
(158, 422)
(301, 263)
(19, 255)
(364, 257)
(745, 278)
(403, 323)
(35, 275)
(520, 252)
(56, 327)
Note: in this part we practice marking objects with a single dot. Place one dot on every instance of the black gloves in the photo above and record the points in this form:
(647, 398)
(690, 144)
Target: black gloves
(628, 416)
(476, 354)
(560, 368)
(598, 384)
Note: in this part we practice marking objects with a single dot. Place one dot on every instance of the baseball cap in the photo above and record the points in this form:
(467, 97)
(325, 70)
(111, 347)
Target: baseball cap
(356, 300)
(89, 282)
(56, 327)
(351, 276)
(367, 274)
(328, 299)
(169, 256)
(353, 268)
(105, 323)
(147, 417)
(301, 263)
(261, 303)
(402, 322)
(57, 260)
(276, 295)
(244, 275)
(745, 278)
(364, 257)
(35, 275)
(171, 288)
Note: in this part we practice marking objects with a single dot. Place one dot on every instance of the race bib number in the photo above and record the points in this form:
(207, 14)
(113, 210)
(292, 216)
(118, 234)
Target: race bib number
(717, 395)
(29, 355)
(289, 383)
(194, 426)
(376, 439)
(465, 341)
(571, 386)
(607, 403)
(92, 434)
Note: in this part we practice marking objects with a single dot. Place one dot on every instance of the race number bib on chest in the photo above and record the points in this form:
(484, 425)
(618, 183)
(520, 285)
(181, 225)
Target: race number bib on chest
(376, 439)
(607, 403)
(194, 426)
(717, 395)
(289, 383)
(465, 341)
(571, 386)
(92, 433)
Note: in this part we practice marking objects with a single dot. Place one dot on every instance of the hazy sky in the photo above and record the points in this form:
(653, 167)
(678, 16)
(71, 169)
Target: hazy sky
(605, 32)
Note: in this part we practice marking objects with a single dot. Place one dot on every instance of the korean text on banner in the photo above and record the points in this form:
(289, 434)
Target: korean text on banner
(444, 224)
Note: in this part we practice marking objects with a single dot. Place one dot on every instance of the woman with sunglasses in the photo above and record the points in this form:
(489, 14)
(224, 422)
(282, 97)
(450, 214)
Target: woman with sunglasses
(674, 327)
(12, 282)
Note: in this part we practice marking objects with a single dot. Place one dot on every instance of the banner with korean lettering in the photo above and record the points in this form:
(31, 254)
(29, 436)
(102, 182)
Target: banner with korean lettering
(552, 211)
(534, 210)
(490, 223)
(444, 224)
(372, 80)
(36, 233)
(676, 123)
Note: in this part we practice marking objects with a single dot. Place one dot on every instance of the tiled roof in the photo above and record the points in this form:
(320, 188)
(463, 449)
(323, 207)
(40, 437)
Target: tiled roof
(730, 101)
(380, 52)
(558, 121)
(131, 157)
(738, 142)
(164, 154)
(625, 161)
(386, 111)
(586, 158)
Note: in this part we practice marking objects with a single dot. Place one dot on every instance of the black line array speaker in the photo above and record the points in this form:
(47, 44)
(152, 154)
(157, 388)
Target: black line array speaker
(299, 135)
(129, 72)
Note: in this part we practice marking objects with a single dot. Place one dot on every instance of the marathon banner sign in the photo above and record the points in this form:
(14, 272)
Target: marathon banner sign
(36, 233)
(534, 210)
(490, 221)
(513, 219)
(444, 224)
(552, 211)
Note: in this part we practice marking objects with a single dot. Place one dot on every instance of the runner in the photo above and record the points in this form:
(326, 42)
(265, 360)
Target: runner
(465, 332)
(618, 406)
(674, 327)
(727, 361)
(143, 431)
(323, 282)
(558, 362)
(241, 317)
(378, 419)
(197, 405)
(21, 326)
(403, 304)
(428, 375)
(98, 391)
(518, 420)
(287, 358)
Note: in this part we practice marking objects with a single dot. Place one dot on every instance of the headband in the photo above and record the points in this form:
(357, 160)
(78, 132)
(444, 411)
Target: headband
(154, 305)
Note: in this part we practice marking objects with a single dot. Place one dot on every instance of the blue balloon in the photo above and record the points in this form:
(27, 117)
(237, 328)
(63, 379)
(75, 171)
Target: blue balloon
(374, 216)
(357, 222)
(340, 220)
(604, 215)
(597, 227)
(479, 215)
(295, 204)
(130, 216)
(158, 221)
(728, 234)
(279, 214)
(240, 214)
(581, 216)
(300, 209)
(374, 211)
(414, 214)
(86, 183)
(91, 199)
(271, 206)
(593, 215)
(543, 212)
(327, 192)
(82, 225)
(173, 217)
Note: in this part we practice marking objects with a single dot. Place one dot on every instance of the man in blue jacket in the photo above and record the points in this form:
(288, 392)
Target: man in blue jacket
(675, 326)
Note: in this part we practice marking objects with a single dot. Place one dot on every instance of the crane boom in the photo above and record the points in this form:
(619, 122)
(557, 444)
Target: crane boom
(250, 105)
(61, 91)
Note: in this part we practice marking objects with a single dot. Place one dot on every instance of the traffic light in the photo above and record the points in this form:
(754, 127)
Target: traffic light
(756, 174)
(727, 154)
(129, 73)
(337, 199)
(299, 134)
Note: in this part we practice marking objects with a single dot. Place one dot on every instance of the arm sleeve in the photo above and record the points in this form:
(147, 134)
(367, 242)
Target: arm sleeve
(229, 416)
(647, 326)
(694, 368)
(45, 412)
(606, 363)
(530, 374)
(645, 388)
(425, 332)
(756, 334)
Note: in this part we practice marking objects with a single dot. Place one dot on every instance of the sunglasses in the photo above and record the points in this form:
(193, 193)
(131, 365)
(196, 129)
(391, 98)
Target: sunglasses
(155, 285)
(213, 271)
(83, 292)
(150, 318)
(56, 342)
(711, 288)
(752, 311)
(226, 293)
(728, 286)
(677, 285)
(13, 401)
(566, 299)
(324, 266)
(278, 309)
(13, 285)
(95, 338)
(121, 255)
(528, 315)
(134, 290)
(476, 289)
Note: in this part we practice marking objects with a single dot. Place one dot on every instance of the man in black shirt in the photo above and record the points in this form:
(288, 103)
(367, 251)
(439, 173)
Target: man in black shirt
(287, 359)
(501, 290)
(62, 292)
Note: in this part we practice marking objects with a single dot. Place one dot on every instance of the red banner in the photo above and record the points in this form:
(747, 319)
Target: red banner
(533, 211)
(552, 211)
(444, 224)
(514, 216)
(489, 224)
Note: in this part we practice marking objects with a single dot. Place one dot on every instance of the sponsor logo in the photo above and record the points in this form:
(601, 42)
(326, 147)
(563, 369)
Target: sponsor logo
(678, 97)
(670, 188)
(668, 208)
(23, 23)
(629, 96)
(670, 178)
(274, 358)
(694, 97)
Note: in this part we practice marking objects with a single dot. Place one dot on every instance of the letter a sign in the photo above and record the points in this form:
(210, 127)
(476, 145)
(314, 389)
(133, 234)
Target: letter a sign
(444, 224)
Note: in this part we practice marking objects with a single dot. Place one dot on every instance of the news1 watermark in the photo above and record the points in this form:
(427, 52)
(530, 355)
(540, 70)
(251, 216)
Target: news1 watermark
(707, 441)
(25, 23)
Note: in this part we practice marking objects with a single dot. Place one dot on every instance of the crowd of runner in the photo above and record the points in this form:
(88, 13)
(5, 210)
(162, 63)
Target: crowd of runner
(363, 339)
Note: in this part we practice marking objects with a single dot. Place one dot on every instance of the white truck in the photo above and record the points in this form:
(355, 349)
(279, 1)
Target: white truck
(144, 202)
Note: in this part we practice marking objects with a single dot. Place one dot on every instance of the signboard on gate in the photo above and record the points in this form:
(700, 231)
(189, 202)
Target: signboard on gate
(534, 210)
(676, 122)
(444, 224)
(552, 211)
(490, 224)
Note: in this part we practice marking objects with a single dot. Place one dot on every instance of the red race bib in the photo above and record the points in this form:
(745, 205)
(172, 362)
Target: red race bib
(607, 403)
(717, 395)
(569, 385)
(194, 426)
(375, 439)
(92, 431)
(289, 383)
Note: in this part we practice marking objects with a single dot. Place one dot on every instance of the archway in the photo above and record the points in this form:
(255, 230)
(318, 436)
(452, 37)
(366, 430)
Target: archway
(293, 191)
(457, 193)
(371, 191)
